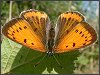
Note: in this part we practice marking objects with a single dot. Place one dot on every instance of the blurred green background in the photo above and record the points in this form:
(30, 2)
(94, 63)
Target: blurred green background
(88, 61)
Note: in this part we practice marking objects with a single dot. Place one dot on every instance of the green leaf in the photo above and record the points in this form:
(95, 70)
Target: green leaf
(83, 60)
(17, 59)
(52, 72)
(9, 50)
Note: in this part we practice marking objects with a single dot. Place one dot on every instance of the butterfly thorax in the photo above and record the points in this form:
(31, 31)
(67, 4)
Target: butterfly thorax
(51, 41)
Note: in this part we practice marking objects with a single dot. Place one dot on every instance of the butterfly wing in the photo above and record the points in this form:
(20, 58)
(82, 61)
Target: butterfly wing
(66, 22)
(28, 30)
(39, 21)
(74, 33)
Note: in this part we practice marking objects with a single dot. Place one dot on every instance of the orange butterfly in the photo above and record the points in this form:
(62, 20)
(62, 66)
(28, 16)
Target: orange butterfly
(33, 30)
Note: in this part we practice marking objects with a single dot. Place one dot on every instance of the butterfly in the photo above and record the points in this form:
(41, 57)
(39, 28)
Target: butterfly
(33, 30)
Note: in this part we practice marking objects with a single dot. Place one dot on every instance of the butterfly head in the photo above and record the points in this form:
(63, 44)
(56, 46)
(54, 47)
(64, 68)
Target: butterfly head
(50, 53)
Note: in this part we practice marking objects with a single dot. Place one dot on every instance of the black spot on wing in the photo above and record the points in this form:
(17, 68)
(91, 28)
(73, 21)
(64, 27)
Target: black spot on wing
(76, 30)
(84, 43)
(32, 43)
(12, 34)
(25, 40)
(33, 20)
(82, 35)
(74, 44)
(20, 28)
(17, 30)
(66, 46)
(86, 37)
(80, 32)
(86, 40)
(13, 37)
(13, 31)
(67, 31)
(25, 27)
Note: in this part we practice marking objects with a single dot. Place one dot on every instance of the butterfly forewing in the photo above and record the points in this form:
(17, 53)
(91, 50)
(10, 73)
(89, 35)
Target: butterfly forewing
(66, 22)
(80, 36)
(28, 30)
(38, 21)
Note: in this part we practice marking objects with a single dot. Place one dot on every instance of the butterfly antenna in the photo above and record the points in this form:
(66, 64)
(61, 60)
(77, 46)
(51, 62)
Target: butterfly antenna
(40, 61)
(58, 62)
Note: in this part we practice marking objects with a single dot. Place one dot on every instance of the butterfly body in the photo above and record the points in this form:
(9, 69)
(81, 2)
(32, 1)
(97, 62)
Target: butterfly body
(32, 29)
(51, 41)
